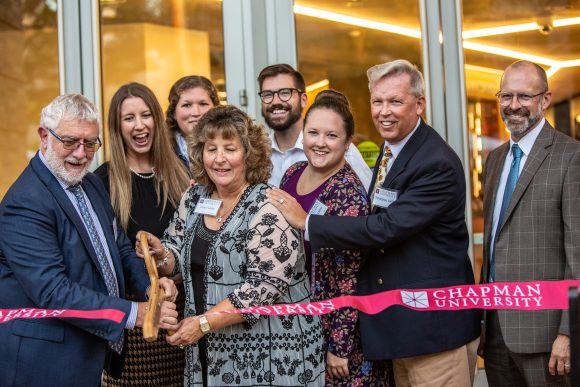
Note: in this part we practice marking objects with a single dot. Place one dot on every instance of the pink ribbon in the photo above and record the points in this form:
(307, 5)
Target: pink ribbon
(535, 295)
(499, 295)
(106, 314)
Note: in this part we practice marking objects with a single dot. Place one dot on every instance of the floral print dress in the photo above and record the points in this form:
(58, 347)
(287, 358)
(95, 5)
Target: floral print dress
(255, 258)
(335, 274)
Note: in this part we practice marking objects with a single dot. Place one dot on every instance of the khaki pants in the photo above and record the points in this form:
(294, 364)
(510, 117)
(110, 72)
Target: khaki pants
(453, 368)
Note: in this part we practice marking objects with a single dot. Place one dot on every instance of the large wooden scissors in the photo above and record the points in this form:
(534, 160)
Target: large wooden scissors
(156, 294)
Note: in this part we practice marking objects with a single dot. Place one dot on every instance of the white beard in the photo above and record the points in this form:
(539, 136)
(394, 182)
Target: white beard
(57, 166)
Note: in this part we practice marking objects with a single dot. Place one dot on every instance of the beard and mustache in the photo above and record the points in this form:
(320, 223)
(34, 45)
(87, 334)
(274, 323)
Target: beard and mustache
(293, 117)
(57, 165)
(525, 122)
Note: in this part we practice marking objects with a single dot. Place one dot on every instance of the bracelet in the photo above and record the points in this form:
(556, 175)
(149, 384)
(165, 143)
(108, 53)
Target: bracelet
(165, 259)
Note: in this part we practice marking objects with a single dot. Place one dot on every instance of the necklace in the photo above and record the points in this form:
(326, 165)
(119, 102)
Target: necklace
(144, 176)
(225, 214)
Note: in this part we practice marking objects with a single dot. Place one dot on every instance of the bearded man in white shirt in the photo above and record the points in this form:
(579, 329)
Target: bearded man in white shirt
(283, 95)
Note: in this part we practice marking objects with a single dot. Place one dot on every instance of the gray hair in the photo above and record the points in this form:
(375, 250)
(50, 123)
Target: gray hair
(68, 107)
(397, 67)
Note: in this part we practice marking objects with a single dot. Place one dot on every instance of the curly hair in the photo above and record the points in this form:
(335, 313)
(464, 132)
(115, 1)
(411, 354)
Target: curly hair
(229, 122)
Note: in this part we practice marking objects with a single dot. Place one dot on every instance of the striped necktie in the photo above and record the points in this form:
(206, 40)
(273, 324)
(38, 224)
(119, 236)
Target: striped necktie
(106, 269)
(382, 170)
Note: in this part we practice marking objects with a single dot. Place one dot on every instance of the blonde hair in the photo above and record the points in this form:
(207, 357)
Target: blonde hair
(171, 178)
(397, 67)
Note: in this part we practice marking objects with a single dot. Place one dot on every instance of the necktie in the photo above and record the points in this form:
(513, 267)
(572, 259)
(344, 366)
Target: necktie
(510, 186)
(382, 172)
(106, 269)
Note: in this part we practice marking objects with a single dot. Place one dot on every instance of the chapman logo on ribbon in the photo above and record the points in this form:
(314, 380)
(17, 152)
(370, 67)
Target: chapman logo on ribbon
(538, 295)
(417, 300)
(491, 296)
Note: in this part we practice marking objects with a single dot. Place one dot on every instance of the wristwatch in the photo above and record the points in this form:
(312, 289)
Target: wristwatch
(204, 324)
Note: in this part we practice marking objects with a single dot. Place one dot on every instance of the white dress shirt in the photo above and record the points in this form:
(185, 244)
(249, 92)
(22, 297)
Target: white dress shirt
(397, 147)
(526, 143)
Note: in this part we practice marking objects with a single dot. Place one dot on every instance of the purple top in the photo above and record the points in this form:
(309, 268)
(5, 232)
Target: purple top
(306, 202)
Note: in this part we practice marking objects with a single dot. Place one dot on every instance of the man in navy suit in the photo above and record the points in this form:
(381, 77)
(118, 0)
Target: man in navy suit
(60, 248)
(415, 238)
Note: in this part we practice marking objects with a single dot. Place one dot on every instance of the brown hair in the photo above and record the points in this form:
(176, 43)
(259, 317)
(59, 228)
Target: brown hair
(277, 69)
(230, 122)
(186, 83)
(338, 103)
(171, 178)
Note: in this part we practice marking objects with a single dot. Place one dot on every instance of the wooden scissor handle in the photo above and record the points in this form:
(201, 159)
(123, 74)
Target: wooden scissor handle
(156, 295)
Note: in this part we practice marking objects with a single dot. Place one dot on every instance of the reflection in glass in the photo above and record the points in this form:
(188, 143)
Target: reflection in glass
(495, 35)
(363, 34)
(158, 42)
(28, 80)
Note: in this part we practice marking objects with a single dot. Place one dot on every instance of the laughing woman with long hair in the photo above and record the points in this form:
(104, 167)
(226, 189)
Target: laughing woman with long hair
(145, 180)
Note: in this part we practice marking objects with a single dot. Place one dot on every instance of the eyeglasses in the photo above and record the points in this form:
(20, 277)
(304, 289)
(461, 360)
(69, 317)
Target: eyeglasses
(524, 99)
(70, 144)
(284, 94)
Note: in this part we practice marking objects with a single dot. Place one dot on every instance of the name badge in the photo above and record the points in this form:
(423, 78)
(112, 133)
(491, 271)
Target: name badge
(207, 206)
(384, 197)
(318, 208)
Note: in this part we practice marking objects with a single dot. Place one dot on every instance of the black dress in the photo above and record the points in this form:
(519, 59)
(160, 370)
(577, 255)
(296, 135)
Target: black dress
(156, 363)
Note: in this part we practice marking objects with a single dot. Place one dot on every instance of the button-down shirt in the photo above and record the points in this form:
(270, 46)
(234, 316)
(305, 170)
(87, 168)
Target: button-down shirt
(526, 143)
(397, 147)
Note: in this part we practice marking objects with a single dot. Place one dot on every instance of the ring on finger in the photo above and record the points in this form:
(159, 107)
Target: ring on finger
(281, 201)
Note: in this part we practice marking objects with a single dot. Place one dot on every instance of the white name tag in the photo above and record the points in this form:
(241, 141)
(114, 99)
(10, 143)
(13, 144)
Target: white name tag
(384, 197)
(318, 208)
(207, 206)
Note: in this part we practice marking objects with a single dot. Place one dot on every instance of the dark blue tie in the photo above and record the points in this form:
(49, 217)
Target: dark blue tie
(510, 186)
(106, 269)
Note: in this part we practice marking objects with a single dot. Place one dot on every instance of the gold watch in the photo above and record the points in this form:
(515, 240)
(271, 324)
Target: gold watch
(204, 324)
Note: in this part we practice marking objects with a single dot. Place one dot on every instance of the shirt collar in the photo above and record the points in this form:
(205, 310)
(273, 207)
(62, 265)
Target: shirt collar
(527, 142)
(398, 146)
(297, 145)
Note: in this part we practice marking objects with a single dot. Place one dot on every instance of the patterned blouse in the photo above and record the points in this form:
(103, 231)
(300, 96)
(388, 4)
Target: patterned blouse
(335, 274)
(255, 258)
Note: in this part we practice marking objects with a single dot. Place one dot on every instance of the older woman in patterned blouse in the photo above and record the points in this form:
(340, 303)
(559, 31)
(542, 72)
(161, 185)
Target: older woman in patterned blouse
(326, 184)
(236, 251)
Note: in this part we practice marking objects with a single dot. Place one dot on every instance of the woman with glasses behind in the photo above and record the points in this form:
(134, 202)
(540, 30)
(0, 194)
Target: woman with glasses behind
(145, 180)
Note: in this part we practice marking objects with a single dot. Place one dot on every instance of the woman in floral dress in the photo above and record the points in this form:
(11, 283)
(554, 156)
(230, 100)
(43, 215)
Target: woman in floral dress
(326, 184)
(242, 254)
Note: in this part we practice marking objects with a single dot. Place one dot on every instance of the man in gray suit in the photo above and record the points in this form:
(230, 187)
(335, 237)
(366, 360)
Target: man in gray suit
(532, 232)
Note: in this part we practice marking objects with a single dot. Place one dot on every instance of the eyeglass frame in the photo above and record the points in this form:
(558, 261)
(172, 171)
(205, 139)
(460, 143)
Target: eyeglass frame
(97, 144)
(277, 92)
(518, 95)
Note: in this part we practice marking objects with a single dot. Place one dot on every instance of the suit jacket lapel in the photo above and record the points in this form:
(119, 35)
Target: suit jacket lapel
(63, 200)
(535, 159)
(494, 167)
(410, 148)
(376, 171)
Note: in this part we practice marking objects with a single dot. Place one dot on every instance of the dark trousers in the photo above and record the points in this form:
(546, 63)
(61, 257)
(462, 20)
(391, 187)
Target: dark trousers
(505, 368)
